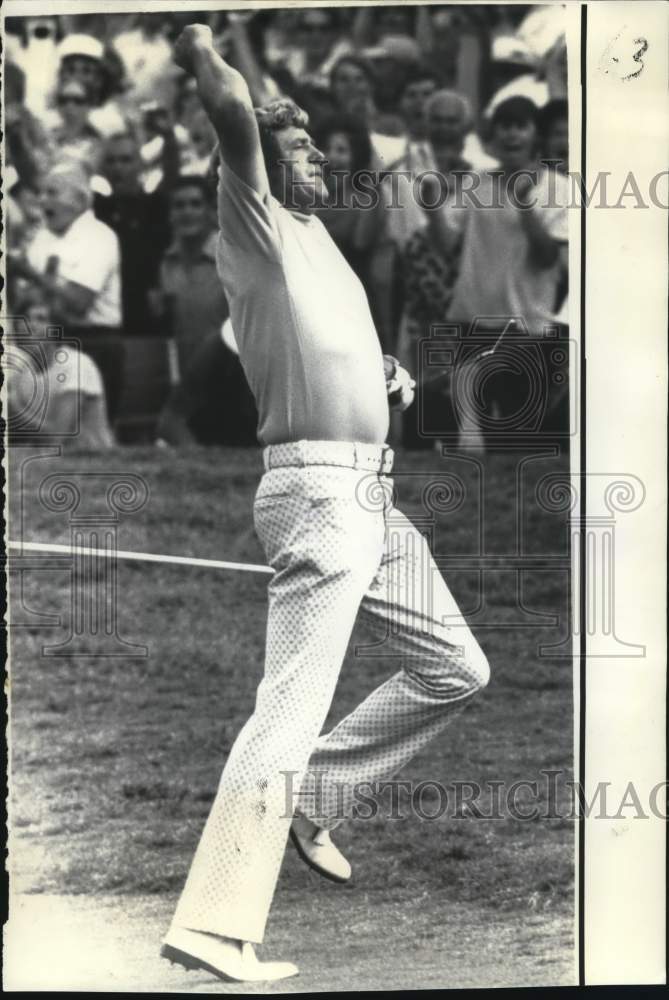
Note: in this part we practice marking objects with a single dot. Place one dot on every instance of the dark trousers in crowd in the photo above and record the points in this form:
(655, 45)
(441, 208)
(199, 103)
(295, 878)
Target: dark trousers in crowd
(431, 416)
(518, 392)
(213, 401)
(104, 345)
(528, 388)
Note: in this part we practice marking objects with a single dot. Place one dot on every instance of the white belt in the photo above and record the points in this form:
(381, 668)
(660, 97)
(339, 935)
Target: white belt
(351, 455)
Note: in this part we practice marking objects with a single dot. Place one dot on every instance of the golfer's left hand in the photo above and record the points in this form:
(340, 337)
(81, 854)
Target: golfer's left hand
(401, 389)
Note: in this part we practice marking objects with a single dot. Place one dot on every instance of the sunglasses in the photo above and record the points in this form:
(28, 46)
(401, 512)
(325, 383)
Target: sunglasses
(71, 99)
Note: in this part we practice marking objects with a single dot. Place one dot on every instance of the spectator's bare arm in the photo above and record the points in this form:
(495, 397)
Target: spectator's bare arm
(555, 69)
(362, 31)
(424, 29)
(97, 433)
(66, 298)
(564, 257)
(371, 222)
(120, 23)
(244, 57)
(21, 154)
(445, 234)
(170, 157)
(543, 249)
(28, 145)
(227, 100)
(76, 299)
(161, 302)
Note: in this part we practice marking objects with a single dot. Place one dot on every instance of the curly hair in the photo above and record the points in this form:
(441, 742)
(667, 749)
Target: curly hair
(272, 118)
(280, 114)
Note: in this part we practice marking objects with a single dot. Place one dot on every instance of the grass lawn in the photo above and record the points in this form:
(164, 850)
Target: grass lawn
(115, 761)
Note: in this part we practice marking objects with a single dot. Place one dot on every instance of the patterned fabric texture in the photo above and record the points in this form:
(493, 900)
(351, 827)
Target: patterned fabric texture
(430, 275)
(340, 549)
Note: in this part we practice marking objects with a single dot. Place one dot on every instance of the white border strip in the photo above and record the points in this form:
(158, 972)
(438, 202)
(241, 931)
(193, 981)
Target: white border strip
(626, 392)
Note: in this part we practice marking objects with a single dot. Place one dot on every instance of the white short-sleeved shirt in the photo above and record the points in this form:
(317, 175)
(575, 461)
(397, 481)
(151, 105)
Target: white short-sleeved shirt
(88, 254)
(407, 216)
(306, 336)
(496, 276)
(32, 390)
(72, 371)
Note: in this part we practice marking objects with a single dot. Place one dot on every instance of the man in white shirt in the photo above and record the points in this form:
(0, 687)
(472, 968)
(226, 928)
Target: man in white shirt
(514, 232)
(71, 391)
(514, 228)
(324, 515)
(319, 46)
(52, 388)
(75, 260)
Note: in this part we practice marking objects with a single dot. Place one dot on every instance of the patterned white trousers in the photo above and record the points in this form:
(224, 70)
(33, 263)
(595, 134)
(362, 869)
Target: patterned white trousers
(339, 549)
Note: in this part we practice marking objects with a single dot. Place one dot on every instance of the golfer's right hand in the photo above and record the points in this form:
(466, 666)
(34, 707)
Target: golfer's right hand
(192, 38)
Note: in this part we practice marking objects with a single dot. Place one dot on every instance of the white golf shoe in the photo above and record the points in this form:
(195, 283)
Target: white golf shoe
(316, 848)
(227, 959)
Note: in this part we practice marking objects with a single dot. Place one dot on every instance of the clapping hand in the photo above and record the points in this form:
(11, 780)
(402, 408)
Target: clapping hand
(519, 190)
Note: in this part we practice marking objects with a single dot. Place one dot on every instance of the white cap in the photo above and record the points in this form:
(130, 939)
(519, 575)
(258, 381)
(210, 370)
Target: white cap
(527, 86)
(81, 45)
(510, 49)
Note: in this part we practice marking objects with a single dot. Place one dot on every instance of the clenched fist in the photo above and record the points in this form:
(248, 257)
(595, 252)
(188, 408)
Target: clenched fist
(192, 38)
(399, 384)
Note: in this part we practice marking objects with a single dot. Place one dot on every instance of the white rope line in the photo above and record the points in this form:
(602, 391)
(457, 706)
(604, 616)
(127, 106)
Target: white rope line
(140, 556)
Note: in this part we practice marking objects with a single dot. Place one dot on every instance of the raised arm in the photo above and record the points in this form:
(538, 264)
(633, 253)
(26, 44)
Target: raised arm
(363, 27)
(244, 57)
(226, 99)
(543, 248)
(444, 233)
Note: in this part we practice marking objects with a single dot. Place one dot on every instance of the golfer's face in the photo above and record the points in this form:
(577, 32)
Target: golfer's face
(304, 164)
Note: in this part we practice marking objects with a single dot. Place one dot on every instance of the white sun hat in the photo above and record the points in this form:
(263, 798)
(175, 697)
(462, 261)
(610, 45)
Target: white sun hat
(81, 45)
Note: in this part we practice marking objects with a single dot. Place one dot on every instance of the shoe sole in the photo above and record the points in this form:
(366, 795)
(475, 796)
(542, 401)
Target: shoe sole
(312, 864)
(192, 964)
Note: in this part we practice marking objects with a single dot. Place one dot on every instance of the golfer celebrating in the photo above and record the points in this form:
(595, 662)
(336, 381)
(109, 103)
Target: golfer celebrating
(324, 514)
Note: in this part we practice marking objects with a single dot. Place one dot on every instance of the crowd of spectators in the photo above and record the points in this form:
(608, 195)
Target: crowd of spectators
(110, 191)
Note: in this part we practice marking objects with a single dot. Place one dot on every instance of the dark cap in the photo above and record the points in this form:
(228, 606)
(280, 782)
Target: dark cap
(515, 109)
